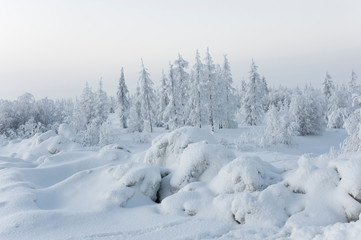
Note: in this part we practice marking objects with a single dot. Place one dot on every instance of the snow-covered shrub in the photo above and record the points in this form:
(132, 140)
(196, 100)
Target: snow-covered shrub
(245, 174)
(90, 136)
(339, 107)
(141, 137)
(353, 128)
(67, 131)
(250, 139)
(199, 162)
(337, 117)
(193, 199)
(280, 128)
(310, 178)
(350, 174)
(29, 129)
(46, 136)
(322, 184)
(166, 149)
(143, 177)
(307, 109)
(272, 207)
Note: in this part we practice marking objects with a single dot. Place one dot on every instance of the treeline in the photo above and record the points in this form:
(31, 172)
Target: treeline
(199, 95)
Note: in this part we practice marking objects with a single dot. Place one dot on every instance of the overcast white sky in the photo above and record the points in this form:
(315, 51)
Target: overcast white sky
(52, 47)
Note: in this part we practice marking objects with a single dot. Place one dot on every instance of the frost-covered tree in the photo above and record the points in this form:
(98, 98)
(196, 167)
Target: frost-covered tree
(25, 108)
(172, 111)
(229, 98)
(87, 103)
(182, 79)
(279, 97)
(195, 102)
(147, 99)
(209, 86)
(339, 107)
(101, 104)
(135, 122)
(352, 83)
(163, 100)
(254, 99)
(328, 86)
(280, 127)
(122, 103)
(307, 108)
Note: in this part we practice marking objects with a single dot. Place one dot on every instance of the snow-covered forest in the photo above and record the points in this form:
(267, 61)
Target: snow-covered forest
(201, 95)
(198, 156)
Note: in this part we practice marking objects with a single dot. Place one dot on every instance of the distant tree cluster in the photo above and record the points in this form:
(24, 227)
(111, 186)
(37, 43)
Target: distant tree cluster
(199, 95)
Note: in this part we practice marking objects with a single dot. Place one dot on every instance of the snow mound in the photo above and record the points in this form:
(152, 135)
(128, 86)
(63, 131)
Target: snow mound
(193, 199)
(310, 178)
(166, 149)
(199, 162)
(272, 207)
(114, 152)
(245, 174)
(46, 136)
(144, 177)
(327, 200)
(350, 174)
(39, 146)
(67, 132)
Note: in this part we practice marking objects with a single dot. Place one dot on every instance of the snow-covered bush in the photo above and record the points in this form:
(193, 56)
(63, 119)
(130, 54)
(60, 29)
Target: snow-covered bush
(166, 149)
(144, 177)
(339, 107)
(67, 131)
(245, 174)
(191, 200)
(279, 127)
(353, 128)
(199, 162)
(250, 139)
(307, 108)
(272, 207)
(321, 182)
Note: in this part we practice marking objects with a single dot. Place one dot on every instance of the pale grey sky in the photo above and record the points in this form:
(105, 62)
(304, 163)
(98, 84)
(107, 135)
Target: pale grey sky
(52, 47)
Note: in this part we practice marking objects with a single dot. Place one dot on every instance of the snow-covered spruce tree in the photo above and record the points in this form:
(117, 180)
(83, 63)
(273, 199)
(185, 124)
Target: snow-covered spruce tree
(101, 104)
(307, 108)
(135, 121)
(122, 103)
(78, 120)
(182, 79)
(339, 107)
(163, 101)
(209, 85)
(265, 91)
(229, 97)
(195, 102)
(328, 86)
(219, 99)
(355, 91)
(172, 110)
(352, 83)
(147, 99)
(87, 103)
(280, 127)
(254, 99)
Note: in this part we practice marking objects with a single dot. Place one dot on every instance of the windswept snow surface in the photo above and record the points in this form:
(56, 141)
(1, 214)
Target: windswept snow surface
(186, 184)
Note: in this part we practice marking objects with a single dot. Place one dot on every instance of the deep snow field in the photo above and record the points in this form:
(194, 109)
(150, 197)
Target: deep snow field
(185, 184)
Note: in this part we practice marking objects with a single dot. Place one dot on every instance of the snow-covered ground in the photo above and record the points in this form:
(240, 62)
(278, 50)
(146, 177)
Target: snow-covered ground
(186, 184)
